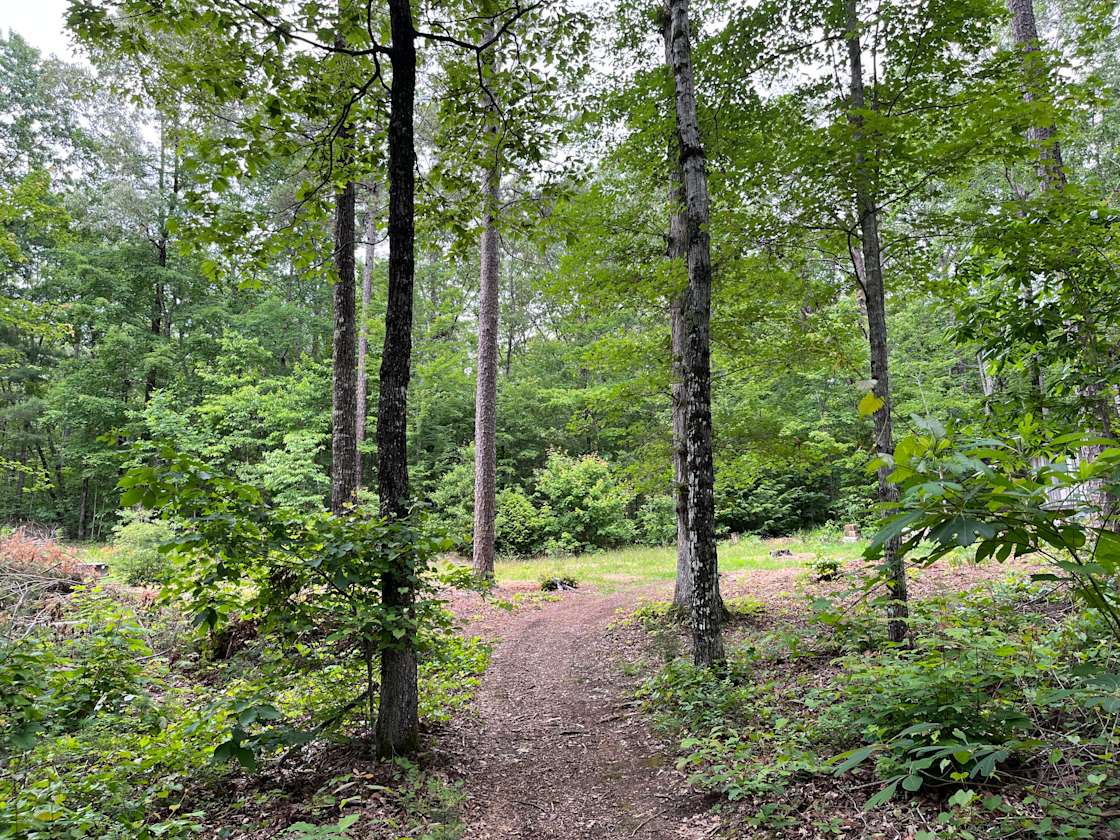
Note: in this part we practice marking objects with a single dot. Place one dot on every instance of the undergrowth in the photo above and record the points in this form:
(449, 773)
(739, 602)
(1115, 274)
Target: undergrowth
(117, 723)
(1001, 719)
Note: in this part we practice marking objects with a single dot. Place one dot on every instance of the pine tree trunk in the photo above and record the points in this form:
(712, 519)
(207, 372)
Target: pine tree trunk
(707, 640)
(397, 720)
(875, 297)
(363, 330)
(486, 387)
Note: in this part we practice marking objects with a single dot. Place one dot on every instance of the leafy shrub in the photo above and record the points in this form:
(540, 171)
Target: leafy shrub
(588, 503)
(825, 568)
(104, 661)
(453, 503)
(292, 475)
(522, 527)
(137, 558)
(656, 521)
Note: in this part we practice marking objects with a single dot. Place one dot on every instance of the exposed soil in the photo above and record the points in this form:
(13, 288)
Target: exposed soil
(557, 748)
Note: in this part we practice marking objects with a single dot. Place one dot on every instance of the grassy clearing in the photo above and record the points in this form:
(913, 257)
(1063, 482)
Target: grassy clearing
(639, 566)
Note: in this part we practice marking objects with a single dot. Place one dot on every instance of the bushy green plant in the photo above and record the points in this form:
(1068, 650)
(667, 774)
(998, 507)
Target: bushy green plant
(452, 502)
(587, 501)
(137, 559)
(656, 521)
(313, 580)
(522, 527)
(824, 568)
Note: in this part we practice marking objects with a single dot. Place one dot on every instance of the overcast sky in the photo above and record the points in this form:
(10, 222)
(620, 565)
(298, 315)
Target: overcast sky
(41, 23)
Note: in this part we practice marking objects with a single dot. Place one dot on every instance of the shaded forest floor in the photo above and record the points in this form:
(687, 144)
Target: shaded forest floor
(556, 746)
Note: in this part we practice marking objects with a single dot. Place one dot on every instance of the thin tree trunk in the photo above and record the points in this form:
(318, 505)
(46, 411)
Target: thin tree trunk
(82, 509)
(875, 297)
(486, 387)
(344, 404)
(363, 329)
(707, 640)
(397, 720)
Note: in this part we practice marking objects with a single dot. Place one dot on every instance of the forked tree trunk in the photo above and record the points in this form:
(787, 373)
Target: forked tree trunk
(486, 383)
(363, 329)
(875, 297)
(707, 640)
(397, 720)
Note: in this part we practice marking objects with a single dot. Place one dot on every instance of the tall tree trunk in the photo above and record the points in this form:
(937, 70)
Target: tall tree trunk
(1097, 408)
(486, 387)
(397, 721)
(875, 298)
(675, 250)
(1044, 136)
(707, 640)
(344, 404)
(363, 329)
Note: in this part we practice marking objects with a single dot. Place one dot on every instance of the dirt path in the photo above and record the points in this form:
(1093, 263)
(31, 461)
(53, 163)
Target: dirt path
(558, 749)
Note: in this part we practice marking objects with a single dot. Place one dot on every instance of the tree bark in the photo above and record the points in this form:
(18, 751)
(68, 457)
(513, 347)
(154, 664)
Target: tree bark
(707, 640)
(1044, 137)
(1096, 407)
(675, 250)
(82, 508)
(344, 404)
(874, 294)
(486, 382)
(363, 330)
(397, 719)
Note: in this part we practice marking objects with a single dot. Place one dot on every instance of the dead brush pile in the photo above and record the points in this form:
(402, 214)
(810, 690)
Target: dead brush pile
(33, 567)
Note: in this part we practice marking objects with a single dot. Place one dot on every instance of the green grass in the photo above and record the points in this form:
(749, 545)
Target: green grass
(639, 566)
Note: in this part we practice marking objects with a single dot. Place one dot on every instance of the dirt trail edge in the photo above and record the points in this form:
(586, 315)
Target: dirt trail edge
(557, 748)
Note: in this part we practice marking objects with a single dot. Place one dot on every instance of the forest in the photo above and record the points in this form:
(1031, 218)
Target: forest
(430, 419)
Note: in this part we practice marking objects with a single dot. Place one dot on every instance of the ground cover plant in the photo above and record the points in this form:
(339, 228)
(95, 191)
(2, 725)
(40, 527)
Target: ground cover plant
(994, 722)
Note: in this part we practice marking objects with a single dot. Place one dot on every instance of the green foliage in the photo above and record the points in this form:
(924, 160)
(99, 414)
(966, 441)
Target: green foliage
(452, 499)
(825, 568)
(1030, 494)
(774, 502)
(313, 581)
(656, 521)
(136, 558)
(587, 502)
(522, 527)
(1001, 685)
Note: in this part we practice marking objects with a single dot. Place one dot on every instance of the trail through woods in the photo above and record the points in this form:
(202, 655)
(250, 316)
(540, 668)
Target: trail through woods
(559, 749)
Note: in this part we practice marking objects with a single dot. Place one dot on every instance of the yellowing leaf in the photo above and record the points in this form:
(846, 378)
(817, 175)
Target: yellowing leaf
(870, 404)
